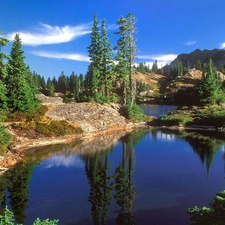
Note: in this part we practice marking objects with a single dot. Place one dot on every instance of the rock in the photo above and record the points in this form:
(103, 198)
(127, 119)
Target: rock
(91, 117)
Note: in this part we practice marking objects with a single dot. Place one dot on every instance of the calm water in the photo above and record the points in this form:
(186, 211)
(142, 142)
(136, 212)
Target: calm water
(157, 110)
(147, 177)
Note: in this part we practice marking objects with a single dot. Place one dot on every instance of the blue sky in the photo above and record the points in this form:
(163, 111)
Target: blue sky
(56, 33)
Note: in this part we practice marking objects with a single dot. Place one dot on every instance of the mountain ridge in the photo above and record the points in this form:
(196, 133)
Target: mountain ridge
(190, 60)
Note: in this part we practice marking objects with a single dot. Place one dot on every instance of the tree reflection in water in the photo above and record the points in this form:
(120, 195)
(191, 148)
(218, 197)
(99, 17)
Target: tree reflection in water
(109, 183)
(106, 184)
(17, 183)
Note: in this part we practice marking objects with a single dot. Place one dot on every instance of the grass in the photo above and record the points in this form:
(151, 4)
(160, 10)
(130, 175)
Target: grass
(35, 125)
(213, 115)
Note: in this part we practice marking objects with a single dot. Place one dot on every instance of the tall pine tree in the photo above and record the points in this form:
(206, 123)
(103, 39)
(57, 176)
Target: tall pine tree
(21, 97)
(106, 62)
(210, 87)
(126, 51)
(3, 74)
(94, 50)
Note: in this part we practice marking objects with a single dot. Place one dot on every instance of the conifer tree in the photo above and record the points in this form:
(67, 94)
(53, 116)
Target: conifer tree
(210, 87)
(94, 50)
(20, 95)
(3, 74)
(155, 67)
(106, 62)
(51, 88)
(126, 51)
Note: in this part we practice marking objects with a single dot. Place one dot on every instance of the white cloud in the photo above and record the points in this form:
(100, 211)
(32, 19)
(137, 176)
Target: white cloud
(160, 58)
(112, 27)
(60, 160)
(189, 43)
(46, 34)
(222, 45)
(56, 55)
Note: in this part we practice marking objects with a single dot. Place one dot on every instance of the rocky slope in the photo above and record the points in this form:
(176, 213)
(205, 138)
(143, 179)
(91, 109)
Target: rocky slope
(91, 117)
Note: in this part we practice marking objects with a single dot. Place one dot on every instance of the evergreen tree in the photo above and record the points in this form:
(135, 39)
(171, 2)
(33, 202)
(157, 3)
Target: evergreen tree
(20, 95)
(3, 74)
(199, 65)
(126, 51)
(155, 67)
(210, 87)
(94, 50)
(106, 62)
(51, 88)
(63, 83)
(141, 68)
(180, 68)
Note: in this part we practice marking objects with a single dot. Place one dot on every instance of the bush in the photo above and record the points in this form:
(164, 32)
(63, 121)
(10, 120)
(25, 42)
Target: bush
(5, 139)
(57, 128)
(175, 118)
(8, 219)
(135, 113)
(208, 216)
(18, 116)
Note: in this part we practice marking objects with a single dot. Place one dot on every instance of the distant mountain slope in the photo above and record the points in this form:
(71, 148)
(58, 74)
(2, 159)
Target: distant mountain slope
(191, 59)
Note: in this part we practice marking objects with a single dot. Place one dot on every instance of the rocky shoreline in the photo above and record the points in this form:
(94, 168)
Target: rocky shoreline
(94, 119)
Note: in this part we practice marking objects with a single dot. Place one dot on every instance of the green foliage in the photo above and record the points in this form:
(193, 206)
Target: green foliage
(57, 128)
(126, 51)
(175, 117)
(29, 116)
(5, 139)
(99, 75)
(208, 216)
(213, 115)
(210, 88)
(155, 67)
(8, 219)
(135, 113)
(45, 222)
(3, 75)
(21, 97)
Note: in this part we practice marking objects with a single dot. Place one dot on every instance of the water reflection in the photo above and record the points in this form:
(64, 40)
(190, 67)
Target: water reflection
(106, 184)
(17, 183)
(110, 171)
(205, 145)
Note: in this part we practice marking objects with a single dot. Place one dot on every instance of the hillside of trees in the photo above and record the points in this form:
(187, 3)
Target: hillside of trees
(112, 76)
(198, 58)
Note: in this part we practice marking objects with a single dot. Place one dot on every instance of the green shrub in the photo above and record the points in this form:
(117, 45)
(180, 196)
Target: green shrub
(215, 215)
(8, 219)
(134, 113)
(18, 116)
(57, 128)
(175, 118)
(5, 139)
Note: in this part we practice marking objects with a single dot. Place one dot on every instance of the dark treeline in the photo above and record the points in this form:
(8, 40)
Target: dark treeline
(71, 87)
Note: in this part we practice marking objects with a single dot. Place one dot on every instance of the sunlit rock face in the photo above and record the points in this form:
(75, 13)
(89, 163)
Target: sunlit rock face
(90, 117)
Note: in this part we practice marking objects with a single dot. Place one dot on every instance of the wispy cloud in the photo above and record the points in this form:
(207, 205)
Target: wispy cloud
(222, 45)
(189, 43)
(46, 34)
(60, 160)
(112, 27)
(56, 55)
(159, 58)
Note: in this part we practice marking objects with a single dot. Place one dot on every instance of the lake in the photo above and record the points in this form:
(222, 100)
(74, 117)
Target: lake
(145, 177)
(157, 110)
